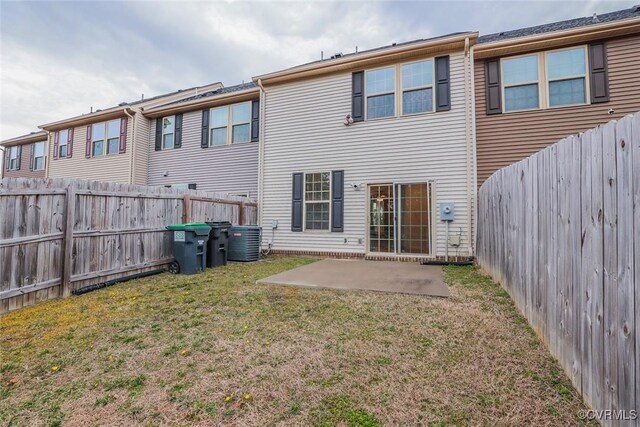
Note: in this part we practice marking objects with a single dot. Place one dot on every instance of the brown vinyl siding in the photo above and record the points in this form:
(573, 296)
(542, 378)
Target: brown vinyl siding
(24, 171)
(503, 139)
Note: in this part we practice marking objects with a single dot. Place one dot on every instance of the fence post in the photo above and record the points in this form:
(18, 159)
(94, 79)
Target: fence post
(241, 214)
(67, 242)
(186, 211)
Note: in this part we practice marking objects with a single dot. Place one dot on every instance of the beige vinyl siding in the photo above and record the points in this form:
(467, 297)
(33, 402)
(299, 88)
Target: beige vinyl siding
(112, 167)
(305, 133)
(503, 139)
(24, 171)
(141, 150)
(227, 169)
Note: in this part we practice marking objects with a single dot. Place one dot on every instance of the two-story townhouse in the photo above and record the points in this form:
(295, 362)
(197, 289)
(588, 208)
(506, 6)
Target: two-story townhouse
(208, 141)
(359, 151)
(534, 86)
(25, 156)
(109, 144)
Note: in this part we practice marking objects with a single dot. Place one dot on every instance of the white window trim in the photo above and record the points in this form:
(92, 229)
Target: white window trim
(13, 149)
(431, 86)
(304, 202)
(230, 125)
(173, 143)
(63, 142)
(105, 140)
(399, 91)
(44, 148)
(543, 80)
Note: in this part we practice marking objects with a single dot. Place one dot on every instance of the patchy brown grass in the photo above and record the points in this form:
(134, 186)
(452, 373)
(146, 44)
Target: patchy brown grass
(216, 349)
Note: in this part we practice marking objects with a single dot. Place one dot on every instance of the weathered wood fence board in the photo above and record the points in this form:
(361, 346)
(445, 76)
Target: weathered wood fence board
(561, 231)
(59, 235)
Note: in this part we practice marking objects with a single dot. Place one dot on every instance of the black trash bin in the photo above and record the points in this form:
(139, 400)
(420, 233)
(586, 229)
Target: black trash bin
(218, 243)
(189, 243)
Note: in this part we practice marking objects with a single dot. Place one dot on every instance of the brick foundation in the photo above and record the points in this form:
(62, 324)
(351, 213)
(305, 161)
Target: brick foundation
(371, 257)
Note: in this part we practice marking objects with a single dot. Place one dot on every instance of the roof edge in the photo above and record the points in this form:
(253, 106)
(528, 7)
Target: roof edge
(199, 103)
(110, 113)
(25, 139)
(384, 54)
(557, 38)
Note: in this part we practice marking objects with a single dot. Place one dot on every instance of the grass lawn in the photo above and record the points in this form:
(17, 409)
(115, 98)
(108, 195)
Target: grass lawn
(217, 349)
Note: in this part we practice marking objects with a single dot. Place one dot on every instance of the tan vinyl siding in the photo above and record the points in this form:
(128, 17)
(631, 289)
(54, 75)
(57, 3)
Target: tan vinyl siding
(503, 139)
(112, 167)
(305, 133)
(24, 171)
(227, 169)
(141, 150)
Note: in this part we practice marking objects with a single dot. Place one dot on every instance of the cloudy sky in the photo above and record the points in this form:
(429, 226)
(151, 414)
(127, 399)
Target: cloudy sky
(58, 59)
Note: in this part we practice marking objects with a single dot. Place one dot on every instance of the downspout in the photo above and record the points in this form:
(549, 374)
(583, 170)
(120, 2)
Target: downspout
(469, 142)
(474, 159)
(133, 145)
(263, 101)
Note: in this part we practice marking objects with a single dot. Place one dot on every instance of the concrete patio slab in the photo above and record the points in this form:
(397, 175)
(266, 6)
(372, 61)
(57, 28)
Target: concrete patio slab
(381, 276)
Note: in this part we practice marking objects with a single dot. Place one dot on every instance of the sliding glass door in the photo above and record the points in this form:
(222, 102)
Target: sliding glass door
(400, 217)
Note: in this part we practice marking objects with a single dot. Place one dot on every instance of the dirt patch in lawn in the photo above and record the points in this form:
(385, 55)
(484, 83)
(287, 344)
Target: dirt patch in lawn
(217, 349)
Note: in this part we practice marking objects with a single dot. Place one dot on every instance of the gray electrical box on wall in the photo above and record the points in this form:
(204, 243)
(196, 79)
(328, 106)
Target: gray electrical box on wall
(446, 211)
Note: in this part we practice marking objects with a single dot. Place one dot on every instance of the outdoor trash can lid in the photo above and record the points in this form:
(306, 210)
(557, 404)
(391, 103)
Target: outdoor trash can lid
(191, 226)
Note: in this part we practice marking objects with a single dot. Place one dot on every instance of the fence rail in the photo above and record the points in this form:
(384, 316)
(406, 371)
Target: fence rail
(60, 235)
(561, 231)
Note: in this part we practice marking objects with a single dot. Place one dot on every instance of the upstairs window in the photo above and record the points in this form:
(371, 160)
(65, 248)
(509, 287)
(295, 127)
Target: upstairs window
(38, 156)
(230, 124)
(63, 146)
(241, 120)
(380, 91)
(105, 138)
(317, 197)
(168, 132)
(520, 77)
(14, 157)
(567, 75)
(417, 87)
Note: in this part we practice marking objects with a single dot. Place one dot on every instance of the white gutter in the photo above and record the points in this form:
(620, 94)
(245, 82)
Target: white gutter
(133, 145)
(474, 162)
(469, 117)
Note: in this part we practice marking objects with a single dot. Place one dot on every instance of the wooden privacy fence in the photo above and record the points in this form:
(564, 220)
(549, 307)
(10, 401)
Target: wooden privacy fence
(561, 231)
(58, 235)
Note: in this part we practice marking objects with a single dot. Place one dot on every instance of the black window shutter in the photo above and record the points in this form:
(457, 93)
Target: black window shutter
(443, 84)
(177, 137)
(31, 153)
(599, 75)
(492, 86)
(337, 201)
(255, 121)
(357, 96)
(296, 202)
(159, 134)
(192, 186)
(204, 139)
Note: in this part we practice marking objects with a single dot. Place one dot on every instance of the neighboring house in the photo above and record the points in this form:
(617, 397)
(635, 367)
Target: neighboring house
(536, 85)
(359, 150)
(109, 144)
(25, 156)
(208, 141)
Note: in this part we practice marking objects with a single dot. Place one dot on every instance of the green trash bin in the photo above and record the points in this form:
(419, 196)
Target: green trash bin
(189, 243)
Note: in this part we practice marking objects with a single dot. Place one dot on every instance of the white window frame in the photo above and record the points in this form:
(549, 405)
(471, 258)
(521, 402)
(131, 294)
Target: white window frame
(230, 124)
(63, 142)
(394, 92)
(585, 76)
(106, 136)
(173, 143)
(305, 201)
(431, 86)
(544, 80)
(35, 158)
(13, 158)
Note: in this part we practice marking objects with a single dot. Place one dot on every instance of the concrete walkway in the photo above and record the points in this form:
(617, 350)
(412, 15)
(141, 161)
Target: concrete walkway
(382, 276)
